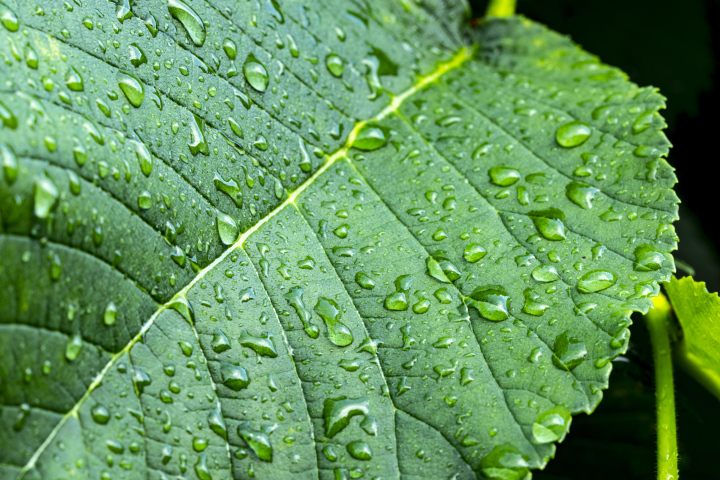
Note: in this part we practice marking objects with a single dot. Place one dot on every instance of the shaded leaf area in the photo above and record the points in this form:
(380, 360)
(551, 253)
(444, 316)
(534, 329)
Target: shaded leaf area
(202, 277)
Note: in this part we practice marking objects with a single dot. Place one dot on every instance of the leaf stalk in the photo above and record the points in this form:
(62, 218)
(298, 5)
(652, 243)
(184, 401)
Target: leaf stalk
(659, 323)
(501, 8)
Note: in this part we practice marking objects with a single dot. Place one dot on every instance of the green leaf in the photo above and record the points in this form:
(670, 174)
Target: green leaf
(264, 239)
(698, 312)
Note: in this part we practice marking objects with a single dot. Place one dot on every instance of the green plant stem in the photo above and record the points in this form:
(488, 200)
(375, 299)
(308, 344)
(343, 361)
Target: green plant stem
(659, 324)
(501, 8)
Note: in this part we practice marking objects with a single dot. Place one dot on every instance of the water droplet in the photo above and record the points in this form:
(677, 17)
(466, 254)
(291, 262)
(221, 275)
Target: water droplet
(31, 58)
(100, 414)
(396, 301)
(491, 302)
(474, 252)
(647, 259)
(216, 423)
(9, 19)
(532, 307)
(45, 196)
(262, 345)
(234, 377)
(198, 144)
(9, 163)
(335, 65)
(230, 48)
(137, 56)
(359, 450)
(255, 73)
(110, 314)
(552, 425)
(73, 347)
(258, 441)
(73, 80)
(294, 298)
(581, 194)
(505, 462)
(504, 176)
(573, 134)
(201, 468)
(371, 136)
(338, 412)
(227, 228)
(595, 281)
(141, 379)
(338, 333)
(189, 19)
(364, 281)
(549, 223)
(144, 159)
(9, 120)
(646, 120)
(220, 342)
(131, 87)
(545, 273)
(569, 352)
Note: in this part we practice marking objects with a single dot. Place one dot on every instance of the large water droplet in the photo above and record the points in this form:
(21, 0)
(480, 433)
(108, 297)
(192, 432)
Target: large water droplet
(505, 462)
(198, 144)
(234, 376)
(131, 87)
(137, 56)
(545, 273)
(474, 252)
(9, 19)
(8, 119)
(73, 347)
(338, 333)
(569, 352)
(491, 302)
(552, 425)
(227, 228)
(294, 298)
(190, 20)
(255, 73)
(100, 414)
(110, 314)
(549, 223)
(335, 65)
(581, 194)
(73, 80)
(647, 258)
(144, 159)
(504, 176)
(262, 345)
(371, 136)
(573, 134)
(45, 196)
(338, 412)
(258, 441)
(595, 281)
(359, 450)
(9, 163)
(31, 58)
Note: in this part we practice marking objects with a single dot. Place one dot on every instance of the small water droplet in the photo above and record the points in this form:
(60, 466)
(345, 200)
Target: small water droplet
(110, 314)
(73, 347)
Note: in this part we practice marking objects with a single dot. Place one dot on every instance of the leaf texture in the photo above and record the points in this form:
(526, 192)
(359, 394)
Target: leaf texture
(327, 240)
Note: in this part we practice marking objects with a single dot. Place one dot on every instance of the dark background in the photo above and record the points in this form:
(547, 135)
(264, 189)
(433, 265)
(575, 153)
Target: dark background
(671, 45)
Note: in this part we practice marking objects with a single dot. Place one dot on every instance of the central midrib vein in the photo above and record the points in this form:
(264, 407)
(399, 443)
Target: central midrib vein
(456, 61)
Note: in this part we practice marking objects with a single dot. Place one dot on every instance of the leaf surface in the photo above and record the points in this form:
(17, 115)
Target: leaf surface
(353, 238)
(698, 312)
